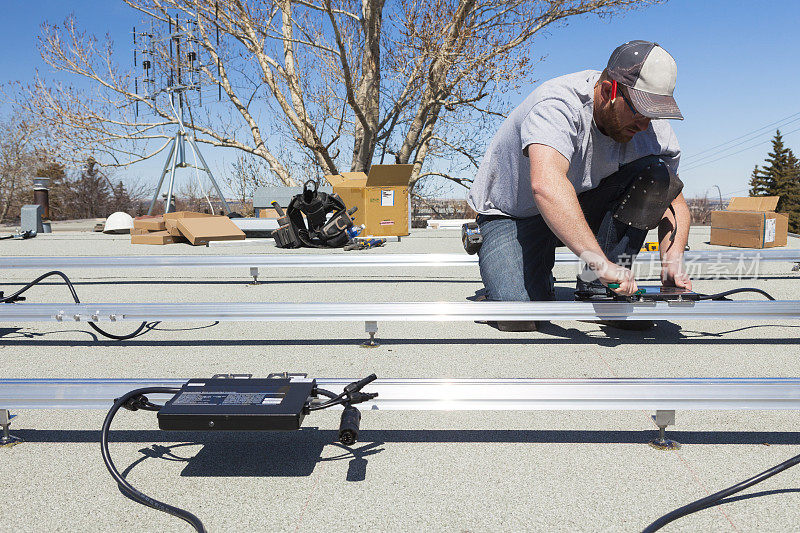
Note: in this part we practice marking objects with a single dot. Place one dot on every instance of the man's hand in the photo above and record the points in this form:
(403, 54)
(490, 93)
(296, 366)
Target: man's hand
(621, 275)
(673, 274)
(608, 272)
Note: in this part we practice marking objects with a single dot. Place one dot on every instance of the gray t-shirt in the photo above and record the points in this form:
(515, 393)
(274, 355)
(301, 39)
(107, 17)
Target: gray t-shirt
(559, 114)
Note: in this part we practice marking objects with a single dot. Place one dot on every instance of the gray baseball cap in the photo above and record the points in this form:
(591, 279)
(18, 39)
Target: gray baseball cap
(649, 73)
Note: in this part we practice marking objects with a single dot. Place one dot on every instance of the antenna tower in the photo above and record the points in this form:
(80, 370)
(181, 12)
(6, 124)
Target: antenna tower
(168, 65)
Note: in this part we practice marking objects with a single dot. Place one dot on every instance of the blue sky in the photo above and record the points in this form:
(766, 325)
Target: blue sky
(737, 72)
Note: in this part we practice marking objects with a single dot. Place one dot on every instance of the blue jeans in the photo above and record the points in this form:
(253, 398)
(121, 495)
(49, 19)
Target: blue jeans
(517, 255)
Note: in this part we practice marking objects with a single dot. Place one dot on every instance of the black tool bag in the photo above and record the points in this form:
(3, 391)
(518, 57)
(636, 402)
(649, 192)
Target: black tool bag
(316, 229)
(286, 234)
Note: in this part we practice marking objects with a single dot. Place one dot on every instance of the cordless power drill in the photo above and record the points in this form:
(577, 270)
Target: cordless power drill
(471, 237)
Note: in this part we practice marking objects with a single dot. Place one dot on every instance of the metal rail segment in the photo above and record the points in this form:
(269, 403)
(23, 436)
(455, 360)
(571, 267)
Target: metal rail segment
(461, 394)
(333, 260)
(401, 311)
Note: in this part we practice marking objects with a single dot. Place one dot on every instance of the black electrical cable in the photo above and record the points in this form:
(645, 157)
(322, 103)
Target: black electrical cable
(335, 399)
(136, 399)
(329, 394)
(125, 487)
(77, 301)
(715, 498)
(721, 295)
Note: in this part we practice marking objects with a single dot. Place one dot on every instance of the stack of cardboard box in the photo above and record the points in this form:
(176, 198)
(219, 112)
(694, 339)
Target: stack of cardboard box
(184, 226)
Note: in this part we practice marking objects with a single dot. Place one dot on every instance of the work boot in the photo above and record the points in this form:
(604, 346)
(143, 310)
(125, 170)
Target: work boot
(517, 325)
(628, 325)
(508, 325)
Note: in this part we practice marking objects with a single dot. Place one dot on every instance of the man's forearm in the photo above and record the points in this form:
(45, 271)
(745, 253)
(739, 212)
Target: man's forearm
(672, 250)
(558, 204)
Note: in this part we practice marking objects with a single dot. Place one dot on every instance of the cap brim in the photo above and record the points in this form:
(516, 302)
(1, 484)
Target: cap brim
(655, 105)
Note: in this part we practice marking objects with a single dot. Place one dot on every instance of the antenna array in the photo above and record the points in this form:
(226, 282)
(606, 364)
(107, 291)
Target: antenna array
(168, 58)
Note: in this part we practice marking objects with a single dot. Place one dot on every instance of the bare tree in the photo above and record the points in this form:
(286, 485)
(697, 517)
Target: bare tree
(193, 197)
(87, 191)
(338, 84)
(247, 174)
(700, 210)
(17, 165)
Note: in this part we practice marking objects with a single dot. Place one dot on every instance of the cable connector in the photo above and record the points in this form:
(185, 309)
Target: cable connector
(349, 425)
(360, 384)
(136, 402)
(11, 299)
(360, 397)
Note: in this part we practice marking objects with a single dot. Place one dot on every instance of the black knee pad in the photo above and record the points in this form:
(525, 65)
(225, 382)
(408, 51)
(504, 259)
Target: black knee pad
(649, 195)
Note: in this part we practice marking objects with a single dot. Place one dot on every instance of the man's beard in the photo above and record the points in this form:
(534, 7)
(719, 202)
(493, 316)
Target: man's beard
(615, 130)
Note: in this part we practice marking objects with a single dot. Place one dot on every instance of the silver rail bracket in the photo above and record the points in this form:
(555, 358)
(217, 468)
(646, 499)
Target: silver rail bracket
(254, 273)
(680, 302)
(790, 256)
(663, 419)
(426, 394)
(371, 327)
(7, 440)
(405, 311)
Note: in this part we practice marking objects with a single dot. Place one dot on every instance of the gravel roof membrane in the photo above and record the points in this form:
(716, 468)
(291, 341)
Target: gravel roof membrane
(441, 471)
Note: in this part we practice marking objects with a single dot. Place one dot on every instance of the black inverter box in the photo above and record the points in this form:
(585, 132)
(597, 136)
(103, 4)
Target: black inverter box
(225, 404)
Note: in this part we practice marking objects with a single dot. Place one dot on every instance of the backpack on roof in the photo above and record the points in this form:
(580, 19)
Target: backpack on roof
(313, 219)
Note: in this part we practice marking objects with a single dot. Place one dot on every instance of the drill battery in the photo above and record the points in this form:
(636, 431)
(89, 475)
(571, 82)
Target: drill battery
(471, 237)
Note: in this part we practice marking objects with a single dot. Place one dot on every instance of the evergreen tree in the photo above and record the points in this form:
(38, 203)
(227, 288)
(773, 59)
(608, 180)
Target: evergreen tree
(780, 176)
(759, 184)
(121, 200)
(89, 194)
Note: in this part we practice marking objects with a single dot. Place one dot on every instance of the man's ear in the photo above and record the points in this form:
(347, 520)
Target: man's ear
(605, 91)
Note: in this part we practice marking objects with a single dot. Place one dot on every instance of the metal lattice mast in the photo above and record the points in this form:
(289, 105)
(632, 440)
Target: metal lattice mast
(171, 69)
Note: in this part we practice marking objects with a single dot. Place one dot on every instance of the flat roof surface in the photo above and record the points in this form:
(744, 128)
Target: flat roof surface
(444, 471)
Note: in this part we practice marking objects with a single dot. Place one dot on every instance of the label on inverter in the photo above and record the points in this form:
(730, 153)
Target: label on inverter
(228, 398)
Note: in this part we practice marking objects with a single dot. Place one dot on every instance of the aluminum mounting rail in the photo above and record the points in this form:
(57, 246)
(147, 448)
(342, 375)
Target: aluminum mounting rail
(461, 394)
(328, 260)
(401, 311)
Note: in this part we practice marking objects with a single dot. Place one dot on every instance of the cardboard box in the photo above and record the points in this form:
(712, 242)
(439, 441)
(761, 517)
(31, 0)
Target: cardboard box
(750, 222)
(185, 214)
(155, 237)
(149, 223)
(201, 230)
(381, 197)
(171, 220)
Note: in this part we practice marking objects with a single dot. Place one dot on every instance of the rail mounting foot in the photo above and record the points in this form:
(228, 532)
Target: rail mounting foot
(663, 419)
(7, 440)
(370, 327)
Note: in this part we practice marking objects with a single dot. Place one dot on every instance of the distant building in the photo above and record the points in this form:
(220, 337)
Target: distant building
(443, 209)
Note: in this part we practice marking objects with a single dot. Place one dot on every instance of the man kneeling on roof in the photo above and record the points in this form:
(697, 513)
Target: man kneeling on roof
(590, 162)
